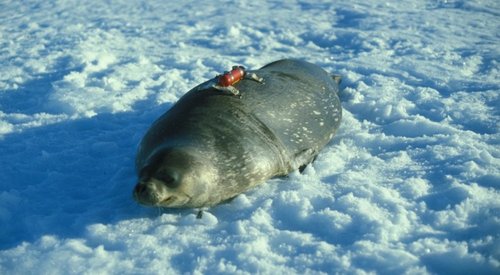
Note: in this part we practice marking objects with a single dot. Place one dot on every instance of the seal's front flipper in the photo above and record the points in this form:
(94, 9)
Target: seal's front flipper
(303, 167)
(302, 159)
(200, 214)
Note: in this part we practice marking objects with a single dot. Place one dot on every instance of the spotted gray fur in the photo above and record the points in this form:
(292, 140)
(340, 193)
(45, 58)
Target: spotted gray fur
(211, 146)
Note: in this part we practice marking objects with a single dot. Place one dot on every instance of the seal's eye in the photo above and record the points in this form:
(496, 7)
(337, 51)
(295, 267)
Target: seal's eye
(168, 177)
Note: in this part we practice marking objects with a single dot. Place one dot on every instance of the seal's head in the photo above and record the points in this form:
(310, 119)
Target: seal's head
(175, 178)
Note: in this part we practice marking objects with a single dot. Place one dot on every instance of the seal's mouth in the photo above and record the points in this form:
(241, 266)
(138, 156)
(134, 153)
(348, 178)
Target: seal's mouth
(149, 195)
(167, 200)
(157, 195)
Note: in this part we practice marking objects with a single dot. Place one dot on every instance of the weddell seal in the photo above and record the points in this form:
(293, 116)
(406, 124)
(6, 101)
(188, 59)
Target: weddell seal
(213, 144)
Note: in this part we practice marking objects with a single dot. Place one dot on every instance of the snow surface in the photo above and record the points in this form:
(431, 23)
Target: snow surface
(411, 183)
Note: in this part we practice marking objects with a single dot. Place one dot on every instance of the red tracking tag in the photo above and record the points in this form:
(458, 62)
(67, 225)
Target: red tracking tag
(232, 77)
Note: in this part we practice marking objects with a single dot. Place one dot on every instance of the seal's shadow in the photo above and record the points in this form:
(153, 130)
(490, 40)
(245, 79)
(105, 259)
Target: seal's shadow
(57, 179)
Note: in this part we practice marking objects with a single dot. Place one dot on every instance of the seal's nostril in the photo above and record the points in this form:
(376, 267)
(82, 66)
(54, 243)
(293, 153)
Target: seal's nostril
(139, 188)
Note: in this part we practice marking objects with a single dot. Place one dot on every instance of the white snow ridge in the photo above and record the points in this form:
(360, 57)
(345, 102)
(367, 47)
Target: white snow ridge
(410, 185)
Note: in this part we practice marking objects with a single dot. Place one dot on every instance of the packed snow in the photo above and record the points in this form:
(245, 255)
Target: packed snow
(410, 184)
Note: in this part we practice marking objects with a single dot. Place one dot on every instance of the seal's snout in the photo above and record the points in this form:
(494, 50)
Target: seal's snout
(141, 193)
(148, 193)
(156, 193)
(139, 189)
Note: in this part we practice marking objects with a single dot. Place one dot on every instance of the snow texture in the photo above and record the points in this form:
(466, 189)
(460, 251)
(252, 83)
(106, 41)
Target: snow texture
(411, 183)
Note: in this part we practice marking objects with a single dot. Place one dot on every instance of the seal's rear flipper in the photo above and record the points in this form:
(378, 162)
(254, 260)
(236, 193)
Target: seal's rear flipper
(337, 78)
